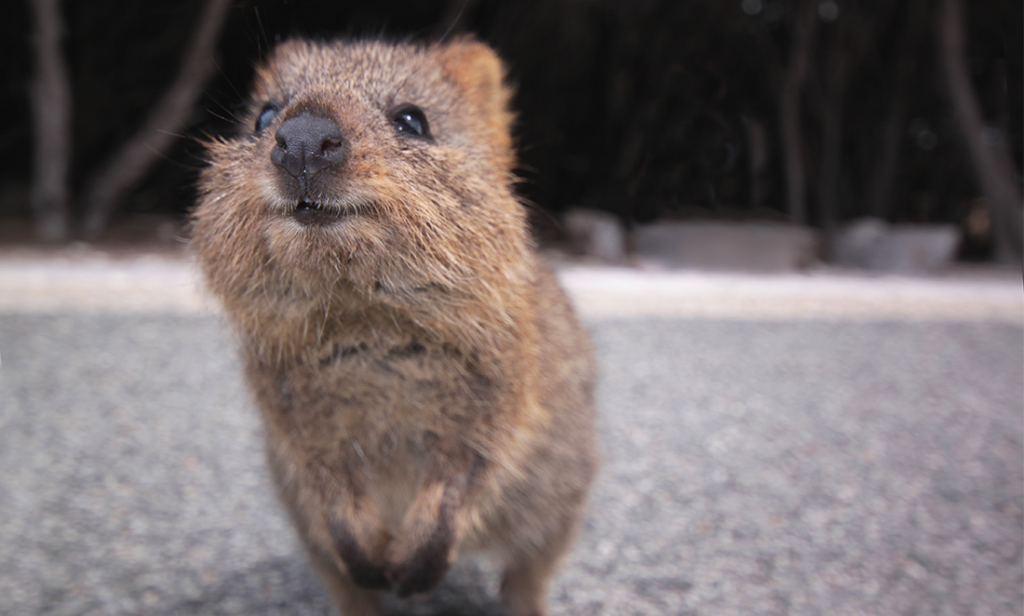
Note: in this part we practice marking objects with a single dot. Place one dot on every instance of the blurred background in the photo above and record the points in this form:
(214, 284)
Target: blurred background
(850, 130)
(813, 428)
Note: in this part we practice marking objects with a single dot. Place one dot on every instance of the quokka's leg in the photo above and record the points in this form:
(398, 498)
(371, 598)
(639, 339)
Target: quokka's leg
(347, 597)
(527, 578)
(345, 540)
(425, 546)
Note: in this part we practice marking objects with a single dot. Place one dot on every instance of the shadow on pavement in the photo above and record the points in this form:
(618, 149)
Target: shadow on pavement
(282, 586)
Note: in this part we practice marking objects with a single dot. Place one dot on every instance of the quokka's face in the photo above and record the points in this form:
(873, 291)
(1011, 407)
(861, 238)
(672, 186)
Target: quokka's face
(366, 159)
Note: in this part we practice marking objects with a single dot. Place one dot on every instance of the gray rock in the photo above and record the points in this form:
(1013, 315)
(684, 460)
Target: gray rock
(751, 246)
(871, 243)
(595, 234)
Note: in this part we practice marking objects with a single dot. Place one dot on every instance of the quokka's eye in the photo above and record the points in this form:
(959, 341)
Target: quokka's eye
(266, 117)
(410, 120)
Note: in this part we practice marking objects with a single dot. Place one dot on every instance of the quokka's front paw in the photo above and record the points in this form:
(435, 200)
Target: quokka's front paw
(364, 572)
(418, 565)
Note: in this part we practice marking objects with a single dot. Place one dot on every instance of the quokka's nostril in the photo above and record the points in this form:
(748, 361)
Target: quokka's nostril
(330, 147)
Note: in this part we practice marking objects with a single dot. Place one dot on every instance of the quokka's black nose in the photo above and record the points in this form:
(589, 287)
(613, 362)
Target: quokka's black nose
(308, 143)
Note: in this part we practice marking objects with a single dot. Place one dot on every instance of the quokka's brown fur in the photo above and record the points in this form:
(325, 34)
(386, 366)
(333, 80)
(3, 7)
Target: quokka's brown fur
(425, 385)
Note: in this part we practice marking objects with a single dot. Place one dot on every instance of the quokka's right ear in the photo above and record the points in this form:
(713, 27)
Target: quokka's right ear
(480, 75)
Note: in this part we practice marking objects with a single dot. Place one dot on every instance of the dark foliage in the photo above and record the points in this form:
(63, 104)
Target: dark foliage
(648, 109)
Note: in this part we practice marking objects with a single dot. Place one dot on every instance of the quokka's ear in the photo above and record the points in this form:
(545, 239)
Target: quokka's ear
(479, 73)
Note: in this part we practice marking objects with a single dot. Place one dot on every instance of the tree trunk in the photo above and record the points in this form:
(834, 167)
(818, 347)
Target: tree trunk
(162, 124)
(789, 110)
(832, 132)
(51, 125)
(989, 157)
(880, 184)
(1013, 44)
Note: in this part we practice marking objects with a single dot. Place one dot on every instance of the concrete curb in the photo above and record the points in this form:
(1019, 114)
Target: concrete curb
(793, 296)
(154, 283)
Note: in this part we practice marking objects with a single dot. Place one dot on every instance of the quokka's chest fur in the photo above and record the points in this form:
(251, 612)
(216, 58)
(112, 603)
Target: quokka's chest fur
(368, 394)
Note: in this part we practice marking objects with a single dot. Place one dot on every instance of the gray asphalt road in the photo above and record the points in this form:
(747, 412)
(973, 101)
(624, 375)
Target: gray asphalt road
(805, 467)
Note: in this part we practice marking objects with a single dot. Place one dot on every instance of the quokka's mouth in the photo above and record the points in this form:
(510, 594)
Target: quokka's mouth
(315, 213)
(310, 213)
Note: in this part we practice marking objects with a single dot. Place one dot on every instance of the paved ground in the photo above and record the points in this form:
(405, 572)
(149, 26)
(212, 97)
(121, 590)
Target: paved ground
(867, 460)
